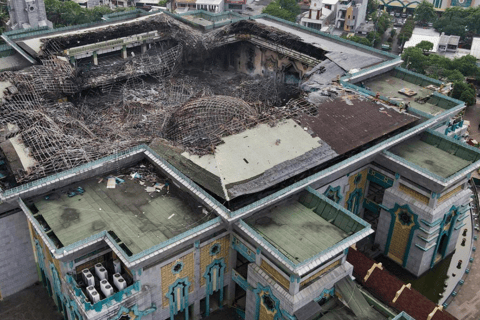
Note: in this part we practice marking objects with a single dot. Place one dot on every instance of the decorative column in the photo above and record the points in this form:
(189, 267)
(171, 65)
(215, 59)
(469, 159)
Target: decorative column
(196, 257)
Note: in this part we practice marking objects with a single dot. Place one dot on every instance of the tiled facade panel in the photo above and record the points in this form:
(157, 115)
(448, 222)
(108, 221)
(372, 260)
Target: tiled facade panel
(169, 277)
(272, 272)
(206, 258)
(414, 194)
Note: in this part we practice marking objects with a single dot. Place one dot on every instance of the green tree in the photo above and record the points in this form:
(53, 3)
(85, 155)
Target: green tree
(425, 46)
(360, 40)
(284, 9)
(66, 13)
(372, 6)
(414, 59)
(463, 91)
(424, 13)
(393, 32)
(455, 21)
(3, 18)
(374, 38)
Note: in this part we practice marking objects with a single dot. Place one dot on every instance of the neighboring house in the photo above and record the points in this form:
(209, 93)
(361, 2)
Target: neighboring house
(320, 14)
(439, 5)
(365, 27)
(215, 6)
(235, 5)
(27, 14)
(448, 43)
(350, 14)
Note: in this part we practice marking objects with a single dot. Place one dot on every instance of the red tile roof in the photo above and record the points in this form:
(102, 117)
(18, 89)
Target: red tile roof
(384, 286)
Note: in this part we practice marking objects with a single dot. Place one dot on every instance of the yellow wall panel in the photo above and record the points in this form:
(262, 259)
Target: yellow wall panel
(414, 194)
(272, 272)
(450, 194)
(168, 277)
(206, 258)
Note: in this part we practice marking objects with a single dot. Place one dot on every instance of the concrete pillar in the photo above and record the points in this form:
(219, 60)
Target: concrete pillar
(144, 47)
(95, 58)
(294, 285)
(258, 257)
(396, 182)
(432, 202)
(197, 272)
(124, 52)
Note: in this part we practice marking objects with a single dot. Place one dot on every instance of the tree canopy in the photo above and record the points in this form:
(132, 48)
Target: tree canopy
(3, 18)
(463, 91)
(67, 13)
(360, 40)
(424, 13)
(445, 69)
(372, 6)
(425, 46)
(284, 9)
(459, 21)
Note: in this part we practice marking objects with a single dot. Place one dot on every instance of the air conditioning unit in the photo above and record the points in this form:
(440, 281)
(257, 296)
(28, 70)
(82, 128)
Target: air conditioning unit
(93, 294)
(119, 282)
(103, 283)
(100, 271)
(88, 278)
(117, 267)
(106, 288)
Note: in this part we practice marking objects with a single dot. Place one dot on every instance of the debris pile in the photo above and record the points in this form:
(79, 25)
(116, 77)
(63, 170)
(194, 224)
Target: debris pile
(62, 116)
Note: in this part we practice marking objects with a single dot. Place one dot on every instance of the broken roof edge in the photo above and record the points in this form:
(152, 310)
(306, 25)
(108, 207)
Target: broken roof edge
(321, 257)
(436, 178)
(298, 186)
(326, 35)
(129, 261)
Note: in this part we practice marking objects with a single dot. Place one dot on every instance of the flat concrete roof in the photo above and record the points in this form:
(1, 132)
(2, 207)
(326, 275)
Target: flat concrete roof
(389, 85)
(296, 231)
(140, 219)
(430, 157)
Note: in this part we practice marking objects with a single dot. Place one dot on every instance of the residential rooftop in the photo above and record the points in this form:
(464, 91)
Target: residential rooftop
(139, 219)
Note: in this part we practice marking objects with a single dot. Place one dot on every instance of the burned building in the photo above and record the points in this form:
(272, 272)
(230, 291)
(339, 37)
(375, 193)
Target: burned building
(163, 166)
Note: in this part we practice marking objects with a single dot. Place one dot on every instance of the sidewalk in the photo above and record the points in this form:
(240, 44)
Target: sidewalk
(466, 305)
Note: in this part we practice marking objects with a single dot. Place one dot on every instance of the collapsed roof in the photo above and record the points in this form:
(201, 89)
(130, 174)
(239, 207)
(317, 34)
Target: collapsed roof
(231, 133)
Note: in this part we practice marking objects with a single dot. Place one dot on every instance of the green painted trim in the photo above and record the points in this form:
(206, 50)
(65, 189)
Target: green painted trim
(432, 224)
(429, 232)
(460, 226)
(427, 240)
(425, 249)
(454, 213)
(335, 192)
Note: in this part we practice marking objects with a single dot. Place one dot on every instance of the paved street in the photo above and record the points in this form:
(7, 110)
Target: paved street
(32, 303)
(466, 305)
